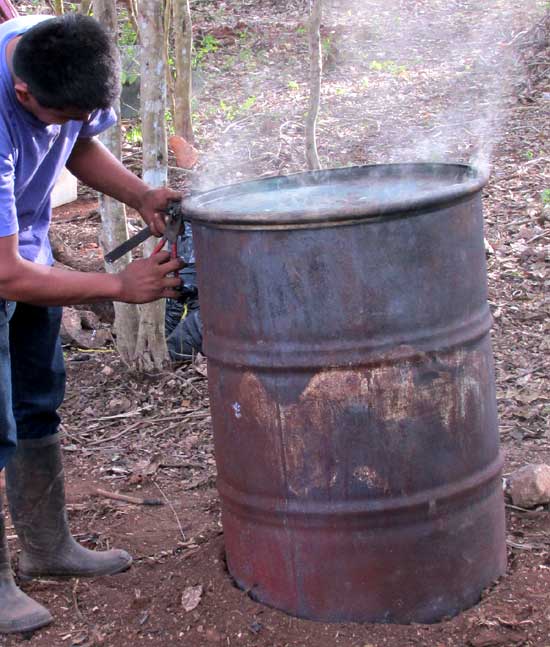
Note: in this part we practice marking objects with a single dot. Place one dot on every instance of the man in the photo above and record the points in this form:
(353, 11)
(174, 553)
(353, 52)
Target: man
(58, 79)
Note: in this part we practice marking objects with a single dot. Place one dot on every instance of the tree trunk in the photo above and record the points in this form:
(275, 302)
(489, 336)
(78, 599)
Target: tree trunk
(113, 214)
(151, 351)
(316, 69)
(170, 84)
(183, 29)
(58, 7)
(7, 10)
(131, 7)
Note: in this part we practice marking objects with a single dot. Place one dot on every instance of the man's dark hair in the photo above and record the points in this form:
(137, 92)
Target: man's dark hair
(69, 62)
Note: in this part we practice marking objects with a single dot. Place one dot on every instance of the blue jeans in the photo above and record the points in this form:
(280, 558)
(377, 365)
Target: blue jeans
(32, 374)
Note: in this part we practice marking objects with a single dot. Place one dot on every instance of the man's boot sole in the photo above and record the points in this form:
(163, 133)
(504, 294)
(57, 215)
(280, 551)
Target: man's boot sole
(13, 628)
(26, 576)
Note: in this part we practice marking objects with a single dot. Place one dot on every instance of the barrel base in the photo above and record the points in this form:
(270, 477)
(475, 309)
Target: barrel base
(363, 575)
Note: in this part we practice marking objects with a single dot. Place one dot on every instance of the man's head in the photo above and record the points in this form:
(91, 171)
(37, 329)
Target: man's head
(66, 66)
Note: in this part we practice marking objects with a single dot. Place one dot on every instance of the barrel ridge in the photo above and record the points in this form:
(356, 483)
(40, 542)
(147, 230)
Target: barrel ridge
(458, 494)
(340, 353)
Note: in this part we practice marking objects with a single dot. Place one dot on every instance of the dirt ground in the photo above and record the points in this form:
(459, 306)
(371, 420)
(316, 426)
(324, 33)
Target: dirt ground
(150, 437)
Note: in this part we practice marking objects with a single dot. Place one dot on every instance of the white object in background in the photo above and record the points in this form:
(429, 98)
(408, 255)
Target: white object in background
(65, 189)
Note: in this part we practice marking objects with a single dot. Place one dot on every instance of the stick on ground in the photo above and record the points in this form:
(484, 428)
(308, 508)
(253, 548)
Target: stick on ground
(125, 498)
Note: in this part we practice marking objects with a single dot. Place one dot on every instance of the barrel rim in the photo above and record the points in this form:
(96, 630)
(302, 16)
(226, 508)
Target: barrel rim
(197, 210)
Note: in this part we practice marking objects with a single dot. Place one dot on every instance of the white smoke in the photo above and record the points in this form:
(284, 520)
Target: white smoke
(404, 80)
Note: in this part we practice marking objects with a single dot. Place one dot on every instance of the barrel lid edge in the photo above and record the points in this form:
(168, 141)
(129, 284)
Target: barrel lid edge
(474, 181)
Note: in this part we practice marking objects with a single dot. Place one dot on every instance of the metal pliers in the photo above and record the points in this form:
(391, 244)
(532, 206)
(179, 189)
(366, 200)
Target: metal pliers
(174, 226)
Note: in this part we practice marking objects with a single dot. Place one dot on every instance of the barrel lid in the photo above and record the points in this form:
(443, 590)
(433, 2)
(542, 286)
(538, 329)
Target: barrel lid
(335, 195)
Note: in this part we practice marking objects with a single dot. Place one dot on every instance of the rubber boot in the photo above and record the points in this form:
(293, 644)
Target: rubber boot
(18, 612)
(36, 497)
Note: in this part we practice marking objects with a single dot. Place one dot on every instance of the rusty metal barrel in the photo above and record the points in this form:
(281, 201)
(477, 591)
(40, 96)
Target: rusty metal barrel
(350, 372)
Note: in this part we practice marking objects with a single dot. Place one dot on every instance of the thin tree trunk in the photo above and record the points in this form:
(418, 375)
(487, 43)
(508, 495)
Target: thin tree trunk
(316, 69)
(86, 7)
(133, 8)
(151, 351)
(58, 7)
(170, 84)
(7, 10)
(113, 214)
(183, 28)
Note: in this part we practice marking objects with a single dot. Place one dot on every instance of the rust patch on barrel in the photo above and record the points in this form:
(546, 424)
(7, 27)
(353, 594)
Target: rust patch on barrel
(381, 402)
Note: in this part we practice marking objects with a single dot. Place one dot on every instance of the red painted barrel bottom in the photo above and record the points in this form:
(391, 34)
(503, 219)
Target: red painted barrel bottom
(355, 567)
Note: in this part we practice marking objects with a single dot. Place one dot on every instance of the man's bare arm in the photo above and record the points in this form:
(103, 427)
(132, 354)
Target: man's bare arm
(94, 165)
(142, 281)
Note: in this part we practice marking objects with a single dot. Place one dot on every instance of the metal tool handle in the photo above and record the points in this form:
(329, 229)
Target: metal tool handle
(128, 245)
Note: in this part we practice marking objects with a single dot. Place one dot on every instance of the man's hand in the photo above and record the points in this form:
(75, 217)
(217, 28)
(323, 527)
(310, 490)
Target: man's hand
(152, 205)
(94, 165)
(147, 279)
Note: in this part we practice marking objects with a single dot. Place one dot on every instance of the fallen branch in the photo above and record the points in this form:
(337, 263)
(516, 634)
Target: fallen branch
(126, 499)
(75, 599)
(208, 480)
(127, 414)
(517, 507)
(197, 466)
(515, 544)
(173, 510)
(115, 436)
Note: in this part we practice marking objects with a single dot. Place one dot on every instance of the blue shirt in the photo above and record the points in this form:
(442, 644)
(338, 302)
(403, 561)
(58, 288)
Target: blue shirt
(32, 154)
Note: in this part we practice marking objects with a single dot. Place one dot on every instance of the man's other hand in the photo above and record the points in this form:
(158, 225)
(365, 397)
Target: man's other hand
(147, 279)
(153, 205)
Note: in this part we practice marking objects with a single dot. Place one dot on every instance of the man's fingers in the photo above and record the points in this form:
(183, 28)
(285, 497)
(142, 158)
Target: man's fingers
(157, 224)
(173, 265)
(171, 194)
(171, 294)
(169, 263)
(160, 258)
(171, 281)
